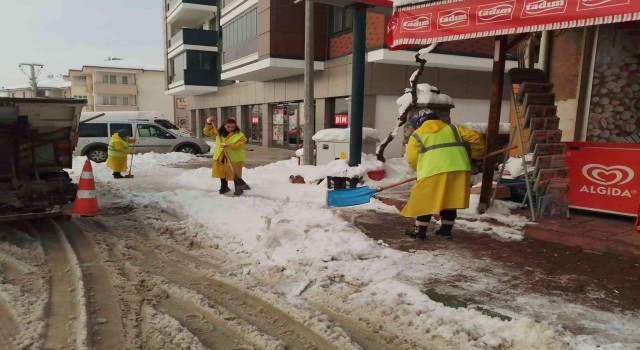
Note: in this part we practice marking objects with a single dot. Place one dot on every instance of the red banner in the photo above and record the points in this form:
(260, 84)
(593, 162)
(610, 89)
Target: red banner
(424, 24)
(255, 120)
(604, 176)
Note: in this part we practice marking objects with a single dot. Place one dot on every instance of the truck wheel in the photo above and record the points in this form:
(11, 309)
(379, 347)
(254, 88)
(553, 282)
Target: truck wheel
(191, 149)
(97, 154)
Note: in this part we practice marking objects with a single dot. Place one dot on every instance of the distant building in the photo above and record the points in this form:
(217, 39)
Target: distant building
(121, 85)
(52, 87)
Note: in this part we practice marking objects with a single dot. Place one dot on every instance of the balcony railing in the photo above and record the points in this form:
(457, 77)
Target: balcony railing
(195, 77)
(195, 37)
(174, 3)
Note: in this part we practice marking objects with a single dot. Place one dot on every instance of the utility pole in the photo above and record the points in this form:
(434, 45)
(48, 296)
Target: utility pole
(33, 75)
(309, 102)
(357, 83)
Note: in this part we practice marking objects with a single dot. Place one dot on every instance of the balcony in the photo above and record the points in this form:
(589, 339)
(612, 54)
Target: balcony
(115, 89)
(193, 39)
(191, 82)
(190, 13)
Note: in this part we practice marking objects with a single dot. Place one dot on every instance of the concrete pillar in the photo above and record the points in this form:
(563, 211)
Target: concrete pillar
(192, 121)
(267, 124)
(241, 117)
(220, 117)
(199, 124)
(369, 111)
(323, 113)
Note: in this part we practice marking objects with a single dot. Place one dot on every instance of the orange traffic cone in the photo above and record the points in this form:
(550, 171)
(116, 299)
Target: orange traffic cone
(86, 203)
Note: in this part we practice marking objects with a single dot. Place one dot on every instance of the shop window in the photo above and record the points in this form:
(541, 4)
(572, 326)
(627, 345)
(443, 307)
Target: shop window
(287, 125)
(615, 102)
(252, 124)
(340, 113)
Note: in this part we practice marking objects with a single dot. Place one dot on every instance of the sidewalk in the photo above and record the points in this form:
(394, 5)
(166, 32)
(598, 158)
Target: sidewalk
(604, 281)
(586, 230)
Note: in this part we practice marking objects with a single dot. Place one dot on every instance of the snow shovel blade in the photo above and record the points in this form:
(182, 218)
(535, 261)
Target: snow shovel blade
(350, 197)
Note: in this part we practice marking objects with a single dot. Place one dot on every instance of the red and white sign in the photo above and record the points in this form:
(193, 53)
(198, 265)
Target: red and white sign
(496, 12)
(604, 176)
(341, 119)
(417, 24)
(534, 8)
(585, 5)
(465, 19)
(453, 18)
(255, 120)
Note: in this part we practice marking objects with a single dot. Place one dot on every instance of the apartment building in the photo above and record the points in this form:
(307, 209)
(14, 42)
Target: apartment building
(258, 61)
(121, 85)
(50, 87)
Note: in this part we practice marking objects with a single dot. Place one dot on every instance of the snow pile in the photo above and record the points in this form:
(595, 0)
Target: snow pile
(425, 94)
(482, 127)
(343, 135)
(287, 228)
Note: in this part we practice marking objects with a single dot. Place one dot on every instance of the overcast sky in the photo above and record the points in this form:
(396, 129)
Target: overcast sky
(63, 34)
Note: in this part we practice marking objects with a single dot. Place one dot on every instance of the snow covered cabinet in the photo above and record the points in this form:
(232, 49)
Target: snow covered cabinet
(332, 144)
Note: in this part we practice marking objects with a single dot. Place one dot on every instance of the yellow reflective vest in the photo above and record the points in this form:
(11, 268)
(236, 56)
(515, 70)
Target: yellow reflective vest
(118, 147)
(441, 152)
(235, 154)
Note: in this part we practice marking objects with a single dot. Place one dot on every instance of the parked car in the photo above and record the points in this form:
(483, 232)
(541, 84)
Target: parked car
(153, 116)
(150, 137)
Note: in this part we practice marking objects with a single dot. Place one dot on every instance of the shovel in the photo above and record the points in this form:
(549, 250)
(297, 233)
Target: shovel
(358, 195)
(362, 195)
(240, 182)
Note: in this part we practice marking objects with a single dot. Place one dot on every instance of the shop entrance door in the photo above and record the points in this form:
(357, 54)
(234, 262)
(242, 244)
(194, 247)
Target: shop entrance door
(286, 126)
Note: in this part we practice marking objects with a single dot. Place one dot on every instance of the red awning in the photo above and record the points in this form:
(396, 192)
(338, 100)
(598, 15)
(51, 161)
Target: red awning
(449, 20)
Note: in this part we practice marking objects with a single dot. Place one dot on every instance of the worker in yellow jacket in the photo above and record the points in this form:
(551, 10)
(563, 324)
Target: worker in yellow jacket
(117, 153)
(230, 139)
(439, 152)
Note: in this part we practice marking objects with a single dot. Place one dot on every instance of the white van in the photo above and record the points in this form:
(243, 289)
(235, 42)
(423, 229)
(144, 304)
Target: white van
(155, 117)
(150, 137)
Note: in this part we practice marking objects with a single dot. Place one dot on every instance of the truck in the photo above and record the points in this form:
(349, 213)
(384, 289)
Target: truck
(37, 138)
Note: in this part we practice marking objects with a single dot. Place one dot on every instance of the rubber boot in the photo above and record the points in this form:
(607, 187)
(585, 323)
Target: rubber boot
(445, 231)
(224, 186)
(418, 232)
(239, 189)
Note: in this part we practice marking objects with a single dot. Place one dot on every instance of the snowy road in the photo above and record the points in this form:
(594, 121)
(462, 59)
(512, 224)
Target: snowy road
(170, 263)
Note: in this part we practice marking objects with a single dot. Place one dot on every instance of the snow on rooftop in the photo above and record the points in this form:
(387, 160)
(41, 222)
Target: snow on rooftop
(343, 135)
(55, 83)
(124, 64)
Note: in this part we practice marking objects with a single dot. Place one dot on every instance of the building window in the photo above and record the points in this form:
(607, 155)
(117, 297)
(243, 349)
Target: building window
(109, 79)
(177, 65)
(109, 100)
(241, 29)
(201, 60)
(125, 79)
(125, 101)
(341, 19)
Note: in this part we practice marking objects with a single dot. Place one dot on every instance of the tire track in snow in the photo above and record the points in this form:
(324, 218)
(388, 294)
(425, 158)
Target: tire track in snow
(67, 313)
(8, 326)
(105, 323)
(170, 265)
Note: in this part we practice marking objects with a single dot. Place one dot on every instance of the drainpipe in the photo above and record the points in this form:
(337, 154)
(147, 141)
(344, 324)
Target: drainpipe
(357, 83)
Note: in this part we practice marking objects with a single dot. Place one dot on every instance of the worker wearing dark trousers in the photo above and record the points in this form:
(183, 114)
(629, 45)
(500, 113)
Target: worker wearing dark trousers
(439, 152)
